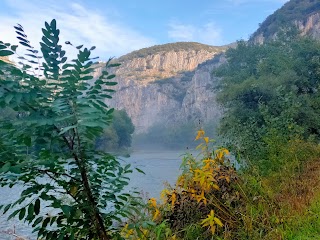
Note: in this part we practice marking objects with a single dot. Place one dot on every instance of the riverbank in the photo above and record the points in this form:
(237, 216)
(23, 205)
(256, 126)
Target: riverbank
(213, 199)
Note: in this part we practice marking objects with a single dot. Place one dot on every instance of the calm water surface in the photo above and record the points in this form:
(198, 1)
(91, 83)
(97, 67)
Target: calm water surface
(159, 166)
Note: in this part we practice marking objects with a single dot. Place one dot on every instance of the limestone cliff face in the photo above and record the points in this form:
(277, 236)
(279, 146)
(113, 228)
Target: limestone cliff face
(310, 26)
(200, 99)
(163, 65)
(167, 87)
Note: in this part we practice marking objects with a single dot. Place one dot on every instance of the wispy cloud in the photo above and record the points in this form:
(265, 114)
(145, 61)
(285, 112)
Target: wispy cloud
(78, 25)
(208, 33)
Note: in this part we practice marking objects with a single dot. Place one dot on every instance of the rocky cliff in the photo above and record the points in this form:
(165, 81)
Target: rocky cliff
(167, 84)
(172, 83)
(303, 14)
(310, 26)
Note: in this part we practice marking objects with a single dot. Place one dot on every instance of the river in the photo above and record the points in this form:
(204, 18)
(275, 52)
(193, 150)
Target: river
(159, 167)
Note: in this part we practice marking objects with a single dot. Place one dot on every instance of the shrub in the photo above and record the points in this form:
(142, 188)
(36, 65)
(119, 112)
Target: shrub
(71, 190)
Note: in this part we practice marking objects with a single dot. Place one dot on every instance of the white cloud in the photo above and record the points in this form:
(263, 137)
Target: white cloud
(181, 32)
(78, 25)
(208, 33)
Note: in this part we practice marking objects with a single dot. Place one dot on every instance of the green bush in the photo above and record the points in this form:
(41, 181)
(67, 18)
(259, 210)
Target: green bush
(270, 93)
(118, 135)
(71, 190)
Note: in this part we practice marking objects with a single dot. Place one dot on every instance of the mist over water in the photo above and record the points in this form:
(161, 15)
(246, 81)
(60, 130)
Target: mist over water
(159, 166)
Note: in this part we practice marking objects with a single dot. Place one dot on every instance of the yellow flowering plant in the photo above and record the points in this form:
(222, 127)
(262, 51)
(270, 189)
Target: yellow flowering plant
(202, 189)
(211, 221)
(204, 196)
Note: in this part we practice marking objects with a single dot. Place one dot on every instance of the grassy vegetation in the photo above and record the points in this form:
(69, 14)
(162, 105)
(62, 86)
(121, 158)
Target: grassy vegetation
(306, 225)
(271, 97)
(213, 200)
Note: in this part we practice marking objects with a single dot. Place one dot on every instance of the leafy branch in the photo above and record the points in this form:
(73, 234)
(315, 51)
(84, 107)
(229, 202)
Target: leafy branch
(59, 116)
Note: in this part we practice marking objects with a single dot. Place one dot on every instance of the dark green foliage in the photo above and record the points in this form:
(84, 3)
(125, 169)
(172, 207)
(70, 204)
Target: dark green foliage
(118, 135)
(49, 145)
(123, 127)
(271, 93)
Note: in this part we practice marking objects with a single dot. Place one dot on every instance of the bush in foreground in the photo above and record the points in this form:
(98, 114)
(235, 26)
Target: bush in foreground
(72, 191)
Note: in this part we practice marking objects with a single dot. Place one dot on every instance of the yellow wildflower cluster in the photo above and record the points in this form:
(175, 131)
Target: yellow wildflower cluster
(144, 234)
(149, 230)
(199, 179)
(131, 233)
(126, 232)
(154, 209)
(195, 190)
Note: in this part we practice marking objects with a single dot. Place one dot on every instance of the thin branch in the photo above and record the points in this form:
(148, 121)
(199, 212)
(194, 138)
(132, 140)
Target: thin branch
(17, 237)
(62, 174)
(67, 191)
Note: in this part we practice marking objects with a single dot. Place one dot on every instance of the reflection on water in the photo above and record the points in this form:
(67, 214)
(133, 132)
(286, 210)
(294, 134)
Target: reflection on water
(159, 166)
(8, 228)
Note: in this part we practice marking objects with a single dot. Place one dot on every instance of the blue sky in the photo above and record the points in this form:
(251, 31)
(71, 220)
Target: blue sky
(120, 26)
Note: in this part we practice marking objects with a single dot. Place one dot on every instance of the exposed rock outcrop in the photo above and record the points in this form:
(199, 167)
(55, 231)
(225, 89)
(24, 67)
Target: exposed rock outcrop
(168, 87)
(310, 26)
(172, 83)
(303, 14)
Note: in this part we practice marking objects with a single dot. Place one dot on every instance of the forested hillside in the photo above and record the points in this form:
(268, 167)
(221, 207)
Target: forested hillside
(302, 14)
(271, 123)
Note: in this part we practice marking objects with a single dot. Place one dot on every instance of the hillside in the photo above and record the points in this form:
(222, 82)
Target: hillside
(172, 83)
(175, 47)
(169, 84)
(304, 14)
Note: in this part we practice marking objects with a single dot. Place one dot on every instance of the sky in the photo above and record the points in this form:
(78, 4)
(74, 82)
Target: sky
(120, 26)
